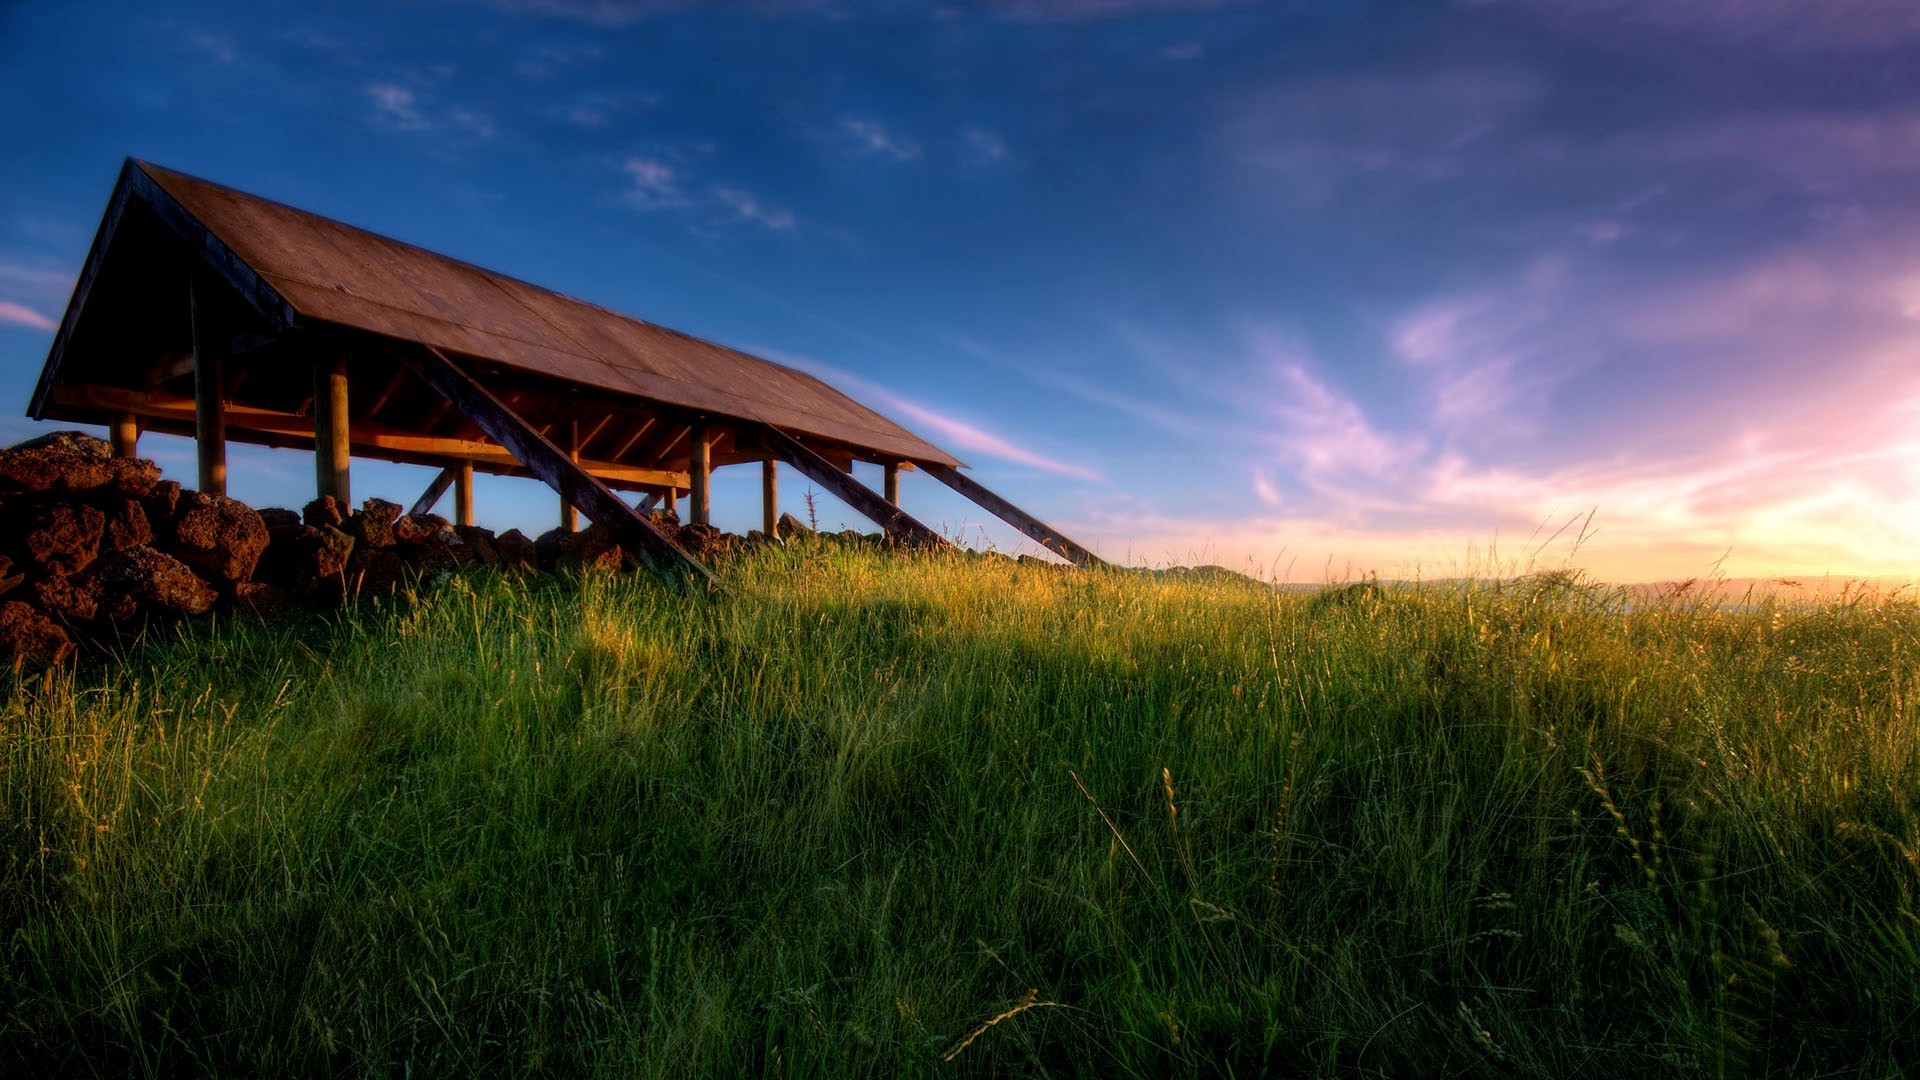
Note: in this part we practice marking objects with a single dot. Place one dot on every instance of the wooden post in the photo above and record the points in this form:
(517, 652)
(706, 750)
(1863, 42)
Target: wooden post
(897, 522)
(463, 493)
(701, 470)
(210, 345)
(1039, 531)
(770, 497)
(332, 453)
(670, 501)
(892, 486)
(124, 435)
(569, 517)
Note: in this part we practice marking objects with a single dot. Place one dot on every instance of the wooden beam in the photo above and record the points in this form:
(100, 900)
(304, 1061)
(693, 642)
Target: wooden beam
(463, 493)
(386, 394)
(1041, 533)
(700, 473)
(892, 485)
(648, 501)
(770, 497)
(332, 430)
(639, 431)
(506, 427)
(898, 523)
(123, 435)
(210, 340)
(569, 517)
(368, 440)
(435, 491)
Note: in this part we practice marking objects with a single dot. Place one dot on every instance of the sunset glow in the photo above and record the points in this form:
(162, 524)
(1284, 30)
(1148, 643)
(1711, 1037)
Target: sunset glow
(1427, 290)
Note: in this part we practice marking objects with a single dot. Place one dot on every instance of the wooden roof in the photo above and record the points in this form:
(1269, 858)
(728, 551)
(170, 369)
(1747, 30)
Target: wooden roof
(308, 282)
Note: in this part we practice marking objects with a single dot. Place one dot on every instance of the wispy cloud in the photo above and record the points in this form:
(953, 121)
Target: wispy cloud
(400, 108)
(1791, 23)
(16, 314)
(656, 184)
(987, 144)
(1088, 10)
(876, 137)
(945, 429)
(746, 206)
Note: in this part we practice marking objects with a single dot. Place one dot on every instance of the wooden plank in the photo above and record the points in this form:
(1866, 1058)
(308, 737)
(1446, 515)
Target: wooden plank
(1041, 533)
(639, 432)
(648, 501)
(82, 289)
(634, 532)
(209, 394)
(435, 491)
(332, 430)
(770, 498)
(367, 440)
(210, 249)
(896, 522)
(700, 474)
(570, 517)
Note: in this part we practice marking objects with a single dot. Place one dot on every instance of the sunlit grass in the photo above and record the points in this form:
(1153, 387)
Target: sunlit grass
(844, 817)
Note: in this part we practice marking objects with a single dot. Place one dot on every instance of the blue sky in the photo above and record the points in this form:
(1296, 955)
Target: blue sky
(1314, 288)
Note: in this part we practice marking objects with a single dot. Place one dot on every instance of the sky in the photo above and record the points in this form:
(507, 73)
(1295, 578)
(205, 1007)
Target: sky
(1307, 289)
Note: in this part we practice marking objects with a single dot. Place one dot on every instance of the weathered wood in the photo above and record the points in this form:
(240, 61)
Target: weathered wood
(896, 522)
(210, 344)
(463, 493)
(770, 497)
(547, 461)
(700, 473)
(648, 501)
(1041, 533)
(639, 431)
(123, 435)
(246, 423)
(670, 501)
(332, 431)
(891, 487)
(569, 517)
(435, 491)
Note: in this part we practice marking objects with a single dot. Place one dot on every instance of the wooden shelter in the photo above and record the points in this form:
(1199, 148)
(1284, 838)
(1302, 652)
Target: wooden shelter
(209, 312)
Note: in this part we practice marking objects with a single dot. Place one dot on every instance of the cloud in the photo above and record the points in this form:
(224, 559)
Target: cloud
(399, 108)
(949, 431)
(1793, 23)
(987, 144)
(875, 137)
(655, 184)
(16, 314)
(745, 206)
(1089, 10)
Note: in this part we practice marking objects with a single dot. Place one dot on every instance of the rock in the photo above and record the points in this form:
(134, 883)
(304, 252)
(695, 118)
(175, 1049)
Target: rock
(418, 528)
(516, 551)
(429, 556)
(593, 548)
(260, 599)
(371, 526)
(156, 580)
(220, 538)
(478, 544)
(133, 477)
(63, 461)
(72, 600)
(274, 517)
(374, 571)
(8, 579)
(551, 545)
(701, 541)
(162, 505)
(127, 526)
(28, 635)
(323, 512)
(792, 527)
(62, 539)
(303, 560)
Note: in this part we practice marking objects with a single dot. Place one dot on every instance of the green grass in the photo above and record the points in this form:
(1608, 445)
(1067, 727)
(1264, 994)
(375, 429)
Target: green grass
(837, 819)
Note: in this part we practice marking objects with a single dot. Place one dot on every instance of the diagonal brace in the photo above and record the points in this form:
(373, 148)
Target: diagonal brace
(552, 464)
(1040, 532)
(898, 523)
(425, 503)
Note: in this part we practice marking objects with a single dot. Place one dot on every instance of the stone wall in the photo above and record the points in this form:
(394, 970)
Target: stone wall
(94, 549)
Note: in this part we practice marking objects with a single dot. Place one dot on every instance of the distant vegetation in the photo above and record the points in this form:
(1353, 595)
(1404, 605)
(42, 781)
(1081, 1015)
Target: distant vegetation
(873, 815)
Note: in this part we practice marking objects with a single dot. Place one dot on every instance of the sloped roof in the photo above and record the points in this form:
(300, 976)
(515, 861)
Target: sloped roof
(310, 269)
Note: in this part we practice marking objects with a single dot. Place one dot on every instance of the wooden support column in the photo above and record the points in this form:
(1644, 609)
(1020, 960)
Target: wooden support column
(569, 517)
(428, 498)
(551, 464)
(670, 502)
(332, 453)
(210, 345)
(898, 523)
(1039, 531)
(700, 495)
(770, 497)
(124, 435)
(892, 485)
(463, 493)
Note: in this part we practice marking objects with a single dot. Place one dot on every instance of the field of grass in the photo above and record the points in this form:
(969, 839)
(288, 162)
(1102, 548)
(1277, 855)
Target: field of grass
(870, 815)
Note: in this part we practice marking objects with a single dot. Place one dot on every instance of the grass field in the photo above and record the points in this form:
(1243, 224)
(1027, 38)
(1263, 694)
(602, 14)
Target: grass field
(865, 815)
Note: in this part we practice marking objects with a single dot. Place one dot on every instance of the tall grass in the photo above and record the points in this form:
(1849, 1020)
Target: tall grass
(863, 814)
